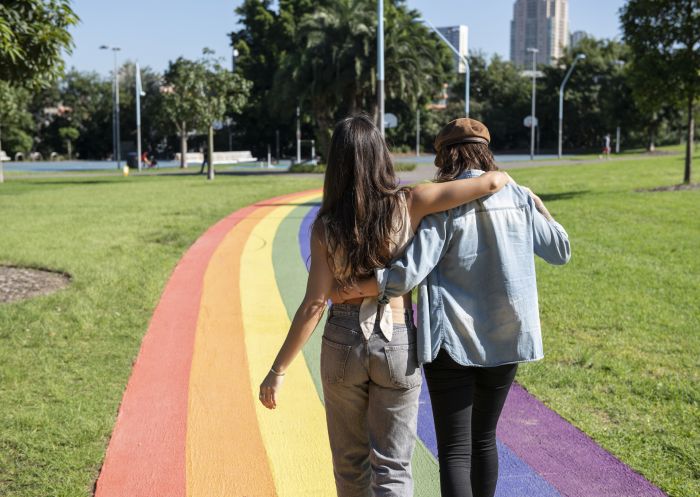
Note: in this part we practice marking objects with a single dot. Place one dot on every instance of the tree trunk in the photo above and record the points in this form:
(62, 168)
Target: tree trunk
(183, 145)
(691, 139)
(210, 154)
(70, 149)
(2, 175)
(652, 137)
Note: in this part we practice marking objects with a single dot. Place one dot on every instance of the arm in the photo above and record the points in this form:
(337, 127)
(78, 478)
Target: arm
(309, 313)
(427, 198)
(418, 260)
(549, 237)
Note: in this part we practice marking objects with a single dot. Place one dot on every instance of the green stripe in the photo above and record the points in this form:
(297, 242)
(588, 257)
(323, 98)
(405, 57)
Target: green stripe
(291, 276)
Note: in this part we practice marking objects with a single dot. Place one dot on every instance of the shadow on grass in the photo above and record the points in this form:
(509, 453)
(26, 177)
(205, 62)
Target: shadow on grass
(547, 197)
(226, 173)
(77, 181)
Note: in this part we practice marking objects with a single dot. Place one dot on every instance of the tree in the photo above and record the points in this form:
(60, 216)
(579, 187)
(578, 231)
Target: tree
(15, 121)
(69, 134)
(33, 33)
(664, 41)
(597, 100)
(200, 93)
(221, 92)
(332, 66)
(183, 78)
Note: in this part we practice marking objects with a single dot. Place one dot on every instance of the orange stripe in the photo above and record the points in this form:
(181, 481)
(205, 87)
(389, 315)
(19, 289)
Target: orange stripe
(225, 449)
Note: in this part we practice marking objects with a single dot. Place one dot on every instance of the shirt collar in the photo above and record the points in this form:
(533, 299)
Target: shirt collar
(470, 173)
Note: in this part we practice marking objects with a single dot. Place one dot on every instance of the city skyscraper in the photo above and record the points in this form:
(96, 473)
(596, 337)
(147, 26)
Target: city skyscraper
(458, 36)
(541, 24)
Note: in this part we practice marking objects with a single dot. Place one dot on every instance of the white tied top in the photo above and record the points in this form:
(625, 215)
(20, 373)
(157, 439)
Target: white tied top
(370, 309)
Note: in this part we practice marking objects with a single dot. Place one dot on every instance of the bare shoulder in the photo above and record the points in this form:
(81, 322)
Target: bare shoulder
(318, 232)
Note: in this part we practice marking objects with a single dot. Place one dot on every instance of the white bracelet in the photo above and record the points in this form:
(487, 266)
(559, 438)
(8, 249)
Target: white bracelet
(276, 373)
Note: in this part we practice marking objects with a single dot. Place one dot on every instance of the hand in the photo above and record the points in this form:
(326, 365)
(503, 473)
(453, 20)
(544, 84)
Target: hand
(269, 389)
(337, 294)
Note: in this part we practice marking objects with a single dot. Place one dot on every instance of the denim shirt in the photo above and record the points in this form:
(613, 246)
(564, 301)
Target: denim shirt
(475, 270)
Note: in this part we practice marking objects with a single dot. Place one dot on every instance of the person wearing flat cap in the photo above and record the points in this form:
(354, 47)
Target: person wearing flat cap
(478, 315)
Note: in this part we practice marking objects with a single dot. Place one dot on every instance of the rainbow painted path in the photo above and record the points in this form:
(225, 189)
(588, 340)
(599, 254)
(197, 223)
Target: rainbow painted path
(190, 423)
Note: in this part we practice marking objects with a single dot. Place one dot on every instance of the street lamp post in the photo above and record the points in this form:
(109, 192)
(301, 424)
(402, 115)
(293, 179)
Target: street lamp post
(467, 73)
(234, 56)
(116, 137)
(380, 64)
(534, 52)
(561, 99)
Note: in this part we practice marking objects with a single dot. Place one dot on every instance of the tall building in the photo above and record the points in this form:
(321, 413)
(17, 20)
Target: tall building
(458, 36)
(541, 24)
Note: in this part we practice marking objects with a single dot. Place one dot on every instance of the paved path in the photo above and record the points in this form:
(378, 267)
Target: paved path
(190, 423)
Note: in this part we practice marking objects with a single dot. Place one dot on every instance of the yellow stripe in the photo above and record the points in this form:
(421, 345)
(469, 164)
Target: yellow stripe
(294, 434)
(225, 454)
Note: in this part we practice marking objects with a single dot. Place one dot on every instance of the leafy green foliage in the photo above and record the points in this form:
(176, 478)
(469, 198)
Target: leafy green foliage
(16, 123)
(664, 40)
(33, 33)
(322, 56)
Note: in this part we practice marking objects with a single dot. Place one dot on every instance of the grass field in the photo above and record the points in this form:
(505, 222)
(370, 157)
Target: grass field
(621, 321)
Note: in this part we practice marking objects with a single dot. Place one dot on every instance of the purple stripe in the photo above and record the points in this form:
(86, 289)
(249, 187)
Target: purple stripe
(305, 235)
(567, 457)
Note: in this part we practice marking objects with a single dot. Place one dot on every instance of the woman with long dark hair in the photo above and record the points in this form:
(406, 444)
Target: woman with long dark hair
(371, 377)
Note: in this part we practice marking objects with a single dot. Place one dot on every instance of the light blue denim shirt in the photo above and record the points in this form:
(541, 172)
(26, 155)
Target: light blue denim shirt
(475, 270)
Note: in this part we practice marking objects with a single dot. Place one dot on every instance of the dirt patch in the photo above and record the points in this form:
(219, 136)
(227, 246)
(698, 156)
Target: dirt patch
(21, 283)
(672, 188)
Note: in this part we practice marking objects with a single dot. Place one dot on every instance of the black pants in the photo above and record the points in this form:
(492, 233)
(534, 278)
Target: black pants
(467, 402)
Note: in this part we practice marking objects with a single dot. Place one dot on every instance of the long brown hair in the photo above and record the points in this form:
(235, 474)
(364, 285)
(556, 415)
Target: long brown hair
(360, 200)
(453, 160)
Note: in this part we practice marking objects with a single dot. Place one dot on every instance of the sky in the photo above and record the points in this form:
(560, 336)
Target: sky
(153, 32)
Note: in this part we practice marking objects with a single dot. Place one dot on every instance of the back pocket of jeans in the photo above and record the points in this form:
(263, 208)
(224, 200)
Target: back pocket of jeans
(403, 365)
(334, 357)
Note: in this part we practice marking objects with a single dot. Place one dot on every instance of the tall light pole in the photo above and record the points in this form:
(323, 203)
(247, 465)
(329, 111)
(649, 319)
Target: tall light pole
(533, 51)
(561, 98)
(139, 94)
(467, 73)
(380, 64)
(298, 136)
(116, 135)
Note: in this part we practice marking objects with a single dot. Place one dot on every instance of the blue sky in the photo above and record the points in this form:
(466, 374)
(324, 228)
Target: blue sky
(156, 31)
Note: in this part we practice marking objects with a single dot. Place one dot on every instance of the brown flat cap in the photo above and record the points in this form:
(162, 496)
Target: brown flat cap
(463, 130)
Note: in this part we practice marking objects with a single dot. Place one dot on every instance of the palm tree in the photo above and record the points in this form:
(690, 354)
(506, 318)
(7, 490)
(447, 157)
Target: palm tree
(333, 70)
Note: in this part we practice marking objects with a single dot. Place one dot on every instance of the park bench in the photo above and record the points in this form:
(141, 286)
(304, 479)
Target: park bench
(230, 157)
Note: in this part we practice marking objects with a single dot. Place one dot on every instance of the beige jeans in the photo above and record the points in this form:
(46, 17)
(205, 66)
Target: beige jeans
(371, 390)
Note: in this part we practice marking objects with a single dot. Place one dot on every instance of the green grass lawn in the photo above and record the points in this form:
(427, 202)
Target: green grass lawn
(621, 321)
(65, 358)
